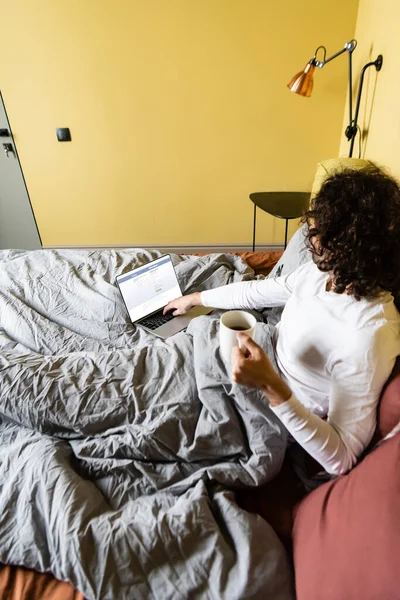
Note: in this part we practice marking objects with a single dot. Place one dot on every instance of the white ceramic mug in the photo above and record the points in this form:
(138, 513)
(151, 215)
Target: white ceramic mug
(230, 324)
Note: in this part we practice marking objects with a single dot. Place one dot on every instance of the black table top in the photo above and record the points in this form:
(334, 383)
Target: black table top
(285, 205)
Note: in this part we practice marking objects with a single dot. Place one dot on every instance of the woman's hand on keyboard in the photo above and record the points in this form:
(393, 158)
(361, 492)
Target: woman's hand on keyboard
(182, 305)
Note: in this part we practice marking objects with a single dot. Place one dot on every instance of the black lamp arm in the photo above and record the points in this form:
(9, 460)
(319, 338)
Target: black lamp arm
(348, 47)
(351, 129)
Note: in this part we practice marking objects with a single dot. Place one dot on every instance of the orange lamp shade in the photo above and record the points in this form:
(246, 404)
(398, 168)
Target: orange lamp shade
(302, 83)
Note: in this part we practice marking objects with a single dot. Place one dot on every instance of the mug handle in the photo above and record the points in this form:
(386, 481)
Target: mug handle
(246, 352)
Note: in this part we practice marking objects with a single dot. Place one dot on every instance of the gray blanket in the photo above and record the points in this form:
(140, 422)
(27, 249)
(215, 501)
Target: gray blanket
(119, 452)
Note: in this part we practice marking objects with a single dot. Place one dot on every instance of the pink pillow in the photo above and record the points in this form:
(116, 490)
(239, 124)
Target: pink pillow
(346, 535)
(389, 405)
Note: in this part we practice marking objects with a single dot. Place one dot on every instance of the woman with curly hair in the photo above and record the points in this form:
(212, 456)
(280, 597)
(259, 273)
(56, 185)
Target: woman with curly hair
(339, 334)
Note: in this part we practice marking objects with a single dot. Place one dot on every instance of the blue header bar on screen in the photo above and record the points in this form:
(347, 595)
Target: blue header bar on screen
(139, 271)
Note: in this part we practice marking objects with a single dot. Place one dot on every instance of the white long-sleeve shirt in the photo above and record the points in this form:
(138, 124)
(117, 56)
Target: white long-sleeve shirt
(335, 353)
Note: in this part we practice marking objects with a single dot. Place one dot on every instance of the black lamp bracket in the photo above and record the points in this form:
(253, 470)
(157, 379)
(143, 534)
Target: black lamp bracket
(351, 130)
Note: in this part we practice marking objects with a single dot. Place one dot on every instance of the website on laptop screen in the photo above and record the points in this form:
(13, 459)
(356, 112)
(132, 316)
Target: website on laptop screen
(149, 288)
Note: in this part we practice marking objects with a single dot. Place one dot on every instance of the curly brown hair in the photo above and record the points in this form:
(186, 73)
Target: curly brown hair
(354, 231)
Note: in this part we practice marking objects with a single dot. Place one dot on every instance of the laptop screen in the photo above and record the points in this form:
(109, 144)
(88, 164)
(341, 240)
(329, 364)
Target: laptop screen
(149, 288)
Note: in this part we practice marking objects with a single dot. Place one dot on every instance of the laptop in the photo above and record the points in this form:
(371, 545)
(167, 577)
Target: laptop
(147, 289)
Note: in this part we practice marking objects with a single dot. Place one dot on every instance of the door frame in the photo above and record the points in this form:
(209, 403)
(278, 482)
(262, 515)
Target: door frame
(20, 166)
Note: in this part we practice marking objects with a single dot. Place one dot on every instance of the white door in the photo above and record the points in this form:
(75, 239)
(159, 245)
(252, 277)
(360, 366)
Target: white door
(17, 222)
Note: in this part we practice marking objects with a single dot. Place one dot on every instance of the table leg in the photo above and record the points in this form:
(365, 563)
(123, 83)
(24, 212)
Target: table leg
(286, 228)
(254, 228)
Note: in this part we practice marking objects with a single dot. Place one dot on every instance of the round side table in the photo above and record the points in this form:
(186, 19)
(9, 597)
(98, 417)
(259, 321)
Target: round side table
(284, 205)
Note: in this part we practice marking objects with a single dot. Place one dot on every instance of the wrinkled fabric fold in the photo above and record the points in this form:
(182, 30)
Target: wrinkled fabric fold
(118, 451)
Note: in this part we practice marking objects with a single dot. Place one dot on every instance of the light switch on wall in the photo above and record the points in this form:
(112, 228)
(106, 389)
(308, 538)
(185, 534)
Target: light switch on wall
(63, 134)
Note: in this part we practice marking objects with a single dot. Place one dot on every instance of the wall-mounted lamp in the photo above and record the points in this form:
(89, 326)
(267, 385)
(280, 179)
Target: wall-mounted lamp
(302, 83)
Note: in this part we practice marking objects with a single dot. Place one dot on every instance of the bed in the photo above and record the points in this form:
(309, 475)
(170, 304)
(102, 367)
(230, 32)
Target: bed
(122, 453)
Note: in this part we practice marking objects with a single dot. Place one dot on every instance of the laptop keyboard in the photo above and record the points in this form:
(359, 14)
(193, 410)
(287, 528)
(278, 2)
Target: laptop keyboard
(156, 320)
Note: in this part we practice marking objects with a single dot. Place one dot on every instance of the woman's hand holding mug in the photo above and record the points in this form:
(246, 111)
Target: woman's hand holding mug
(252, 367)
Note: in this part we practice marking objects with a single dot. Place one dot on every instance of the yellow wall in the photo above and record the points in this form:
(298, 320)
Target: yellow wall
(377, 32)
(178, 109)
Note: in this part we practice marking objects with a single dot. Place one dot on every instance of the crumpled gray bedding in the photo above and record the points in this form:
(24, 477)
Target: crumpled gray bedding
(119, 451)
